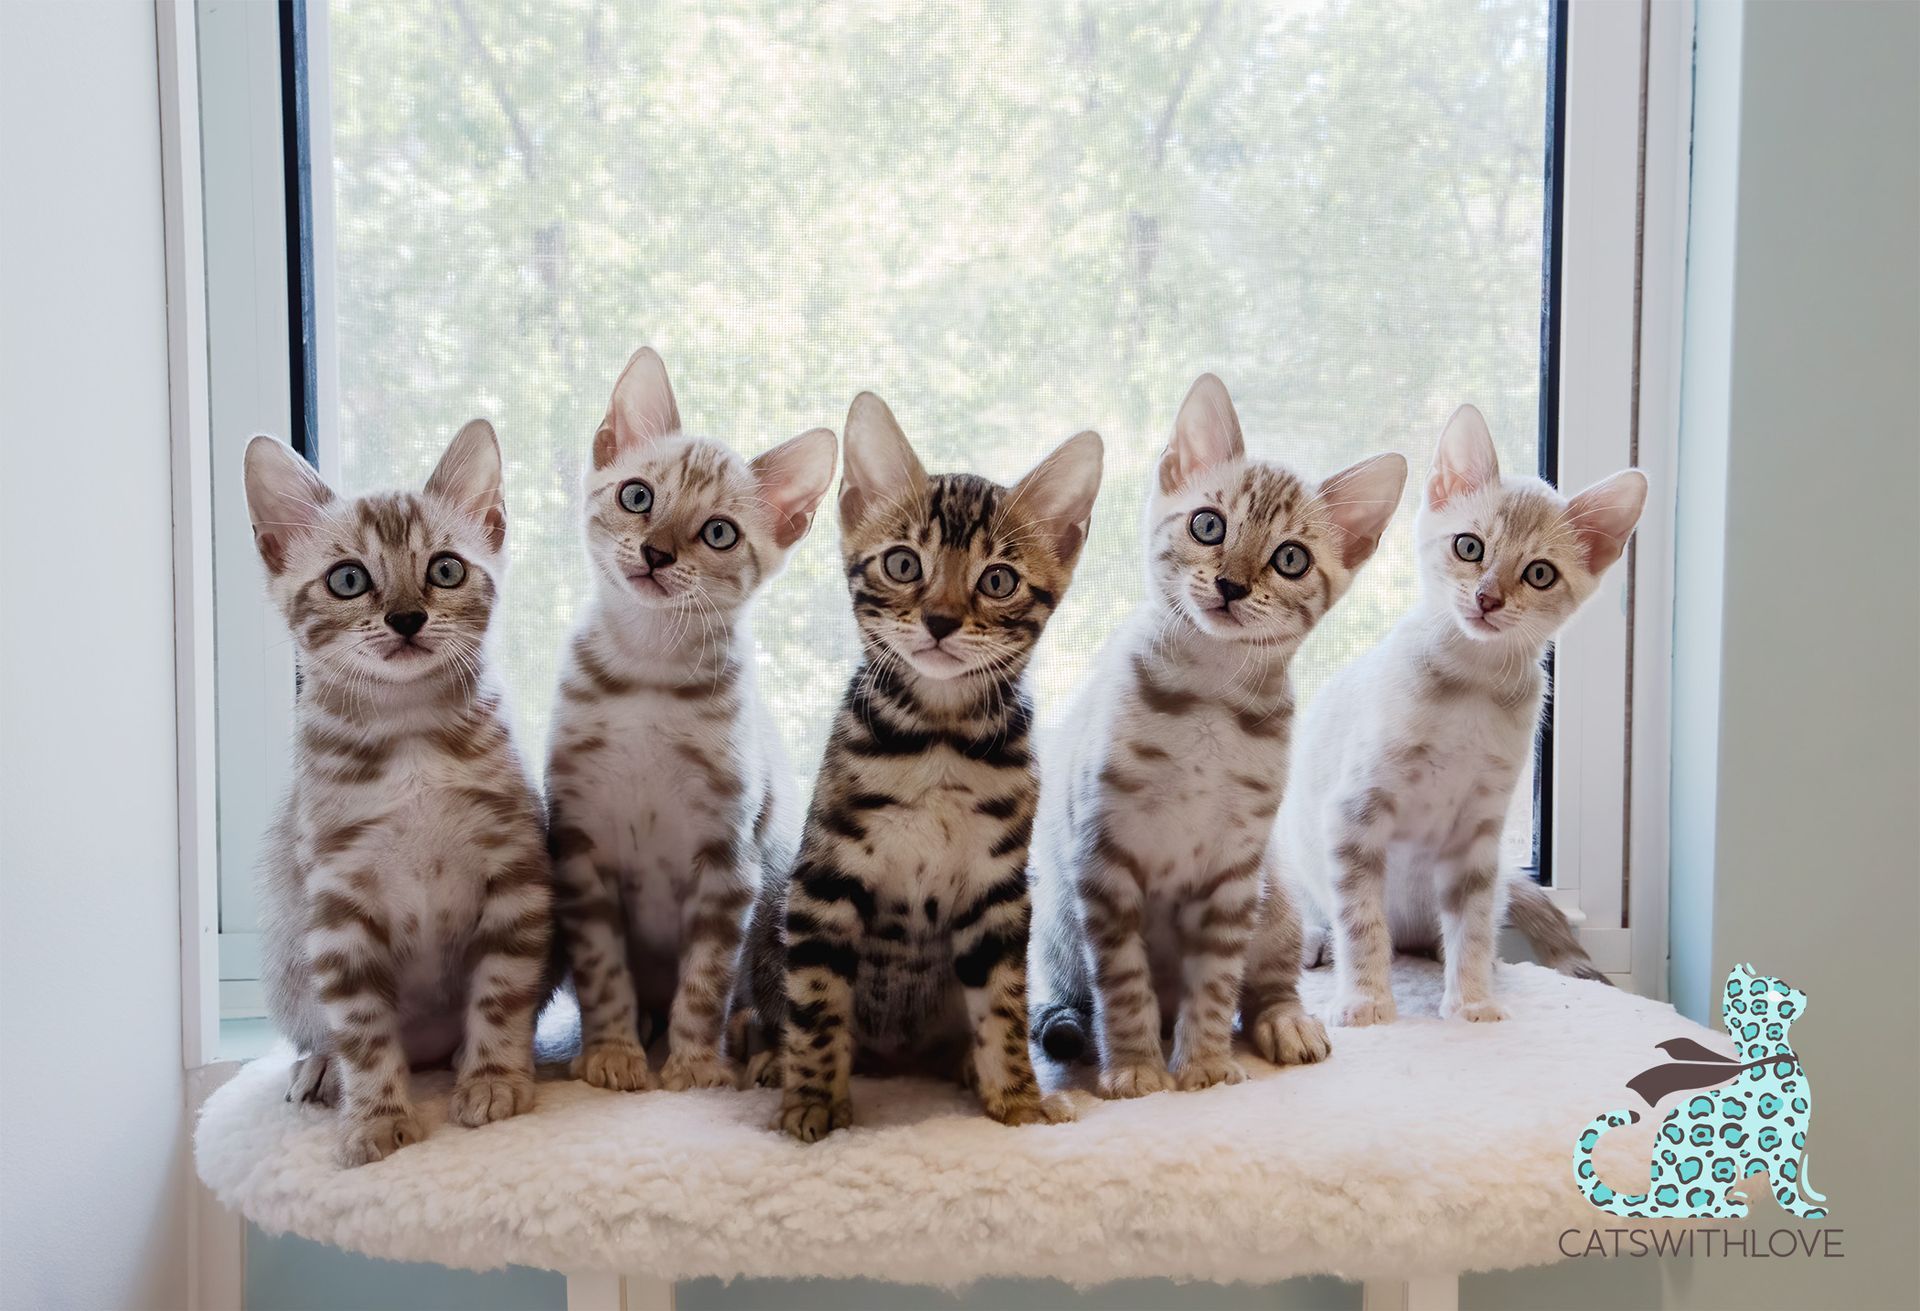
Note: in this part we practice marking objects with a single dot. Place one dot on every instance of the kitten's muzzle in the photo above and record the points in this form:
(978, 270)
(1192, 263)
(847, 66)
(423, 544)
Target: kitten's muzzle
(406, 622)
(646, 584)
(1482, 622)
(1230, 591)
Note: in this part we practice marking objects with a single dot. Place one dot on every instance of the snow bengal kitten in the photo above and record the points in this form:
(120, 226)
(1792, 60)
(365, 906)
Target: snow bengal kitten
(405, 879)
(906, 915)
(667, 788)
(1159, 798)
(1409, 757)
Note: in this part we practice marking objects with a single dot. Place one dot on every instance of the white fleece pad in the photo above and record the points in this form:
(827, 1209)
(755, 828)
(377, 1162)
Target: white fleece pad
(1421, 1147)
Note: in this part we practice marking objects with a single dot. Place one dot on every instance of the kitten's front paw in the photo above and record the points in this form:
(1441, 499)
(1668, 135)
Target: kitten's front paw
(484, 1099)
(764, 1070)
(1202, 1073)
(1357, 1011)
(1290, 1036)
(620, 1066)
(685, 1070)
(810, 1121)
(314, 1078)
(1054, 1108)
(374, 1138)
(1134, 1080)
(1474, 1012)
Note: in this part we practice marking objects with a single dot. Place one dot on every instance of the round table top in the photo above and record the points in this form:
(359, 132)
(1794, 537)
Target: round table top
(1421, 1147)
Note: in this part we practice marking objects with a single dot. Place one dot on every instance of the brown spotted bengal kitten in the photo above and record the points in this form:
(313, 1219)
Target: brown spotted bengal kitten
(405, 885)
(1154, 819)
(906, 917)
(667, 786)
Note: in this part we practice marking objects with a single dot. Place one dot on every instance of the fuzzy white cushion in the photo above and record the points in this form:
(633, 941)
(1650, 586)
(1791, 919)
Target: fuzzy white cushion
(1422, 1147)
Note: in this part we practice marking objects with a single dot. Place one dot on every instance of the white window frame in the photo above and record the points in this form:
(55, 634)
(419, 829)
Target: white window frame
(1621, 267)
(1622, 281)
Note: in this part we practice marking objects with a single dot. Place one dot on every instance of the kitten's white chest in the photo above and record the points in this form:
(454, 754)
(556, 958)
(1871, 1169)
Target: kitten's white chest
(432, 887)
(1186, 816)
(1461, 772)
(648, 800)
(430, 852)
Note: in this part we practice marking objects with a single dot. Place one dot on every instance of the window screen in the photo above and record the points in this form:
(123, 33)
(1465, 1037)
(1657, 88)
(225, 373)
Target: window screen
(1012, 220)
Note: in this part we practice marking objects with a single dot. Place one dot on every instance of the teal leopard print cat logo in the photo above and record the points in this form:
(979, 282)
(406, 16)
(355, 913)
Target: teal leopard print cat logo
(1749, 1115)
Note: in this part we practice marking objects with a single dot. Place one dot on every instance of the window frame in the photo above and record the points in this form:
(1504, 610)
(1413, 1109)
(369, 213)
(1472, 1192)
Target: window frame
(1622, 248)
(243, 310)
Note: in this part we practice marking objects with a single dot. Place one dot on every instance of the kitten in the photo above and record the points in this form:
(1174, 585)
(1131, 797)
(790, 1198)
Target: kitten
(1157, 806)
(405, 883)
(906, 918)
(1409, 757)
(667, 787)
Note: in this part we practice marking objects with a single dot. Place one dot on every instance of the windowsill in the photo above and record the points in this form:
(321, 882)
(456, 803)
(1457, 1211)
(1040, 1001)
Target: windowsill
(243, 1039)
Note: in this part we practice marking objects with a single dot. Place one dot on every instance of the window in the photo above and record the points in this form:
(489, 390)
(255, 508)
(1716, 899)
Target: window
(1012, 220)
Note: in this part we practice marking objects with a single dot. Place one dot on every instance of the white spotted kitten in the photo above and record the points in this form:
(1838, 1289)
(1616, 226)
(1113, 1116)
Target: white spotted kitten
(1150, 900)
(669, 795)
(1407, 761)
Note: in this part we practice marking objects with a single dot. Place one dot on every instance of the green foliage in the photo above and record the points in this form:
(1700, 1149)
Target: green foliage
(1012, 220)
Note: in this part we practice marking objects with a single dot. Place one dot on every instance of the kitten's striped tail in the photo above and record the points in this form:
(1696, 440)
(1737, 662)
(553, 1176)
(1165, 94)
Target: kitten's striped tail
(1531, 910)
(1061, 1030)
(1589, 1181)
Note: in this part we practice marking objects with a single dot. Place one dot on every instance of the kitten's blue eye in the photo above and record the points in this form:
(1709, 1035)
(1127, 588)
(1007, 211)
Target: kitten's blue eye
(999, 582)
(635, 496)
(348, 580)
(901, 565)
(1540, 574)
(720, 534)
(1207, 527)
(1291, 560)
(1469, 548)
(447, 571)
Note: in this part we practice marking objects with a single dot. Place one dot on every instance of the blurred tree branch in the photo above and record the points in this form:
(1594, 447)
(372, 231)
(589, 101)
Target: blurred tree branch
(496, 80)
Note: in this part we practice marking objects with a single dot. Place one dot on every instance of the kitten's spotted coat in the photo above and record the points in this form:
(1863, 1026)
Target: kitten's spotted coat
(1157, 805)
(668, 790)
(1408, 759)
(405, 884)
(906, 917)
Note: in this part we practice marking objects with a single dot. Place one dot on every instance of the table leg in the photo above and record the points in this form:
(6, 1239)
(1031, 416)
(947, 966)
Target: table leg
(1429, 1294)
(598, 1291)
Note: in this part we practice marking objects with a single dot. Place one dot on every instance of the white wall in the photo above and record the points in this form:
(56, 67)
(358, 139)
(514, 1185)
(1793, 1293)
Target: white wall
(1816, 867)
(92, 1154)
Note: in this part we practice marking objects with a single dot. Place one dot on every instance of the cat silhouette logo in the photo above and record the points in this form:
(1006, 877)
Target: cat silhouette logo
(1743, 1118)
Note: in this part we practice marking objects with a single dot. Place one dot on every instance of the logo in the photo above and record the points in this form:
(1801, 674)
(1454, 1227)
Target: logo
(1747, 1115)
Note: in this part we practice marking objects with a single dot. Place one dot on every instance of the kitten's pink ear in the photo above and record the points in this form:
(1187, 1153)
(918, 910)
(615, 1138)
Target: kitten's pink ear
(1361, 500)
(642, 409)
(1465, 460)
(793, 476)
(1058, 493)
(880, 468)
(285, 498)
(469, 477)
(1604, 516)
(1206, 433)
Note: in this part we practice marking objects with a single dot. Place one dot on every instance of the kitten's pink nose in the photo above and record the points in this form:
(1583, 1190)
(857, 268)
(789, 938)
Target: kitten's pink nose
(1489, 601)
(656, 558)
(1230, 591)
